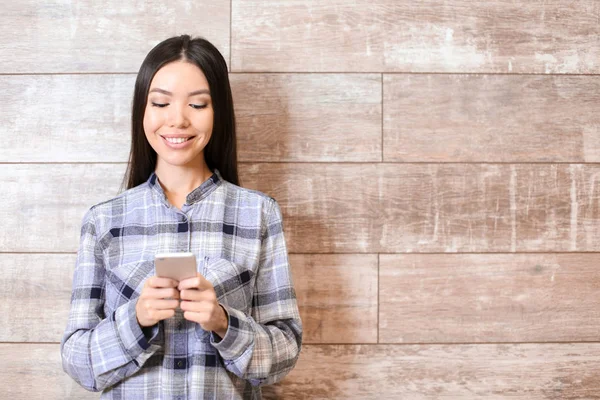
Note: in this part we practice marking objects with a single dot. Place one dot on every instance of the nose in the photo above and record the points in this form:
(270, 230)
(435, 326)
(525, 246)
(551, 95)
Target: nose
(177, 116)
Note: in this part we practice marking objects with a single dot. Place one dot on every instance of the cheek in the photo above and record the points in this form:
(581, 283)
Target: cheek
(152, 121)
(207, 121)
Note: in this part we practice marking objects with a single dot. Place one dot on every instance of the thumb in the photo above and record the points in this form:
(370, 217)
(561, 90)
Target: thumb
(204, 283)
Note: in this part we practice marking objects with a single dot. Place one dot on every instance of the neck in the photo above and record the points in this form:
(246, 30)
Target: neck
(181, 180)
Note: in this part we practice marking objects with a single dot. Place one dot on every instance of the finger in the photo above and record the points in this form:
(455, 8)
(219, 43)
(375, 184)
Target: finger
(190, 306)
(194, 317)
(162, 293)
(162, 314)
(159, 282)
(164, 304)
(198, 307)
(189, 283)
(197, 295)
(198, 282)
(205, 284)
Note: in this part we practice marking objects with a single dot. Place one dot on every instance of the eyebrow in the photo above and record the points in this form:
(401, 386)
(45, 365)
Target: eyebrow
(195, 92)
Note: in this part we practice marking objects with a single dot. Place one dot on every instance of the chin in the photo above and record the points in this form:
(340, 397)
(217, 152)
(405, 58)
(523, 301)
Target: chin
(179, 160)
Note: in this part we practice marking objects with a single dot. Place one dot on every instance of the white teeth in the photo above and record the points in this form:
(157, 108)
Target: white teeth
(176, 140)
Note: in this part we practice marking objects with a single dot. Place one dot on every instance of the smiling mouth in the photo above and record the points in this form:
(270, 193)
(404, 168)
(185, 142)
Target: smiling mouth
(178, 140)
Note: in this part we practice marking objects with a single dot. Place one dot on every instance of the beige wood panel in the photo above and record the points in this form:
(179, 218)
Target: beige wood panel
(347, 208)
(559, 36)
(101, 36)
(280, 117)
(468, 298)
(337, 297)
(34, 371)
(308, 117)
(489, 208)
(328, 208)
(527, 372)
(35, 294)
(491, 118)
(66, 118)
(45, 204)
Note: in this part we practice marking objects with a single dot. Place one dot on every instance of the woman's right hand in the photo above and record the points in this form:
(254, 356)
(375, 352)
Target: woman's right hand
(152, 305)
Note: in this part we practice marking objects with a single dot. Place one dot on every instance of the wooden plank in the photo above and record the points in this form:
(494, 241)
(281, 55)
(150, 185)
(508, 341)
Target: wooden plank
(337, 297)
(35, 293)
(332, 291)
(460, 298)
(36, 369)
(559, 36)
(107, 36)
(527, 372)
(488, 208)
(328, 208)
(487, 118)
(291, 117)
(91, 125)
(58, 195)
(348, 208)
(45, 204)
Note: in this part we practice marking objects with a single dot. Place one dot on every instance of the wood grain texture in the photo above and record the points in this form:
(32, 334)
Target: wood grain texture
(527, 372)
(328, 208)
(66, 118)
(337, 297)
(348, 208)
(558, 36)
(279, 117)
(292, 117)
(35, 294)
(434, 208)
(491, 118)
(34, 371)
(459, 298)
(47, 202)
(101, 36)
(490, 208)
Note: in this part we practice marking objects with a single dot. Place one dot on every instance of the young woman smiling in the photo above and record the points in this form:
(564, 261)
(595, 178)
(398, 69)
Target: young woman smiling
(232, 327)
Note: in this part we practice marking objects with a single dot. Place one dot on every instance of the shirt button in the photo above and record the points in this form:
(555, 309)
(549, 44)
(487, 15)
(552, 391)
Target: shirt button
(179, 363)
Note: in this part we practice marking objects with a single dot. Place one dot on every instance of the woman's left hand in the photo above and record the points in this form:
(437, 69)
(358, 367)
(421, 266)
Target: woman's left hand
(199, 304)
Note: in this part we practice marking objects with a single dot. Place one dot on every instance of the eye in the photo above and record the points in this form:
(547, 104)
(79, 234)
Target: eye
(159, 104)
(198, 106)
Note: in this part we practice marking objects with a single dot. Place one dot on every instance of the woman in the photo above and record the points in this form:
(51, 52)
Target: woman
(235, 325)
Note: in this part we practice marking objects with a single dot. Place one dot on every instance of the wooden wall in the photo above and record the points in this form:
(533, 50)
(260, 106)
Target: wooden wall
(437, 163)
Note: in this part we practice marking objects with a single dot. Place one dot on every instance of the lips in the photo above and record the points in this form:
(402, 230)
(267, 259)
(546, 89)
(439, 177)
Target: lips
(176, 137)
(177, 145)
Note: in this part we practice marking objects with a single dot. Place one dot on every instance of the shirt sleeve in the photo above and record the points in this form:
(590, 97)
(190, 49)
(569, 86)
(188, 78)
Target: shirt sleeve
(99, 351)
(263, 347)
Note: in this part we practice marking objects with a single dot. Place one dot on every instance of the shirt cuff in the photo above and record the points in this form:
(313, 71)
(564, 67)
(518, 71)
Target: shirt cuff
(140, 345)
(238, 338)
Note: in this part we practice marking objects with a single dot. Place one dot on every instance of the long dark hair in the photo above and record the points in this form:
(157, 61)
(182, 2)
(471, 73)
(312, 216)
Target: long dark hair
(220, 151)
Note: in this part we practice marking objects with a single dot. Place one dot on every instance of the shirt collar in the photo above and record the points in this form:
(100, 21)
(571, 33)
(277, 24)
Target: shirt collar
(195, 195)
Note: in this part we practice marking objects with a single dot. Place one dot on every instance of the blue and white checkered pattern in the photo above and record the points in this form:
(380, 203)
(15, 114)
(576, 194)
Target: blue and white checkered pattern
(237, 237)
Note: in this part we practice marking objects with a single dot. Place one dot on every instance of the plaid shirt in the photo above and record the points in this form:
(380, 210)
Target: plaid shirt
(237, 237)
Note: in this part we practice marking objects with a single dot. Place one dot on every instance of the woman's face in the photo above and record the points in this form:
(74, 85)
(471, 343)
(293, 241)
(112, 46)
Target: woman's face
(178, 119)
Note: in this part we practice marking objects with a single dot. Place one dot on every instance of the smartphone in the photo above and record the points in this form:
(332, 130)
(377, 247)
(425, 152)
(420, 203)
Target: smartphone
(177, 266)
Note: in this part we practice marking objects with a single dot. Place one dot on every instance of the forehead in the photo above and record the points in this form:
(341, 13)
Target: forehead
(179, 76)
